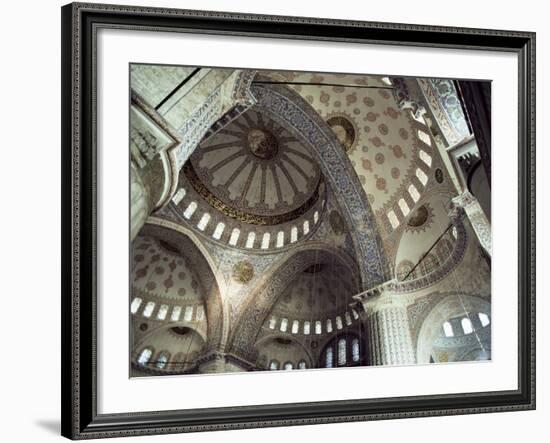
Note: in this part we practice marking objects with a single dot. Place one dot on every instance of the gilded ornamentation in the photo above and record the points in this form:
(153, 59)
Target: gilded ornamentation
(421, 218)
(439, 175)
(262, 143)
(243, 272)
(343, 129)
(240, 215)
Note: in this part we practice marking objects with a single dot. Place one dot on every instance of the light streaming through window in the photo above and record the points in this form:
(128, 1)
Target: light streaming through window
(144, 356)
(448, 329)
(342, 352)
(234, 236)
(136, 303)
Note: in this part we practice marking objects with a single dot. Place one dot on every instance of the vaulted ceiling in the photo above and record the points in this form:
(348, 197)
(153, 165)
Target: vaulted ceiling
(256, 166)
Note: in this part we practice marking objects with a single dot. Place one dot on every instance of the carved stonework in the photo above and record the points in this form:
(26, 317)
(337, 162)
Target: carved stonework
(260, 300)
(243, 272)
(290, 109)
(390, 341)
(477, 218)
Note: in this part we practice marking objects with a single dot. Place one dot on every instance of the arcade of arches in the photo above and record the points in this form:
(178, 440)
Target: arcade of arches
(289, 220)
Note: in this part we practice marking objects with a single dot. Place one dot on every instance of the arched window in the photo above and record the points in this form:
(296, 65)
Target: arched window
(273, 365)
(318, 327)
(425, 157)
(295, 326)
(484, 319)
(178, 196)
(329, 325)
(250, 239)
(306, 227)
(355, 314)
(424, 137)
(162, 360)
(144, 356)
(329, 357)
(234, 236)
(280, 239)
(190, 210)
(415, 195)
(348, 318)
(448, 329)
(136, 303)
(355, 353)
(339, 324)
(272, 322)
(315, 216)
(163, 310)
(342, 352)
(284, 324)
(218, 231)
(203, 221)
(188, 315)
(467, 325)
(288, 366)
(176, 312)
(149, 308)
(265, 240)
(306, 327)
(394, 221)
(294, 234)
(422, 176)
(302, 364)
(404, 207)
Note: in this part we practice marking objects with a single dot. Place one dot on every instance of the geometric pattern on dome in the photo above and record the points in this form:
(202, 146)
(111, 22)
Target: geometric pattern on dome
(255, 166)
(383, 152)
(161, 271)
(322, 289)
(421, 218)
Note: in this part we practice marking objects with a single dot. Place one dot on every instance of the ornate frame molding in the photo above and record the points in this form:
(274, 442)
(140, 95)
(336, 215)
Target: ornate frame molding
(80, 418)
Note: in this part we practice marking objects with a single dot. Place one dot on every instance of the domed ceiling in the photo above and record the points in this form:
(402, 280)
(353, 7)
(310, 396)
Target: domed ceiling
(382, 141)
(320, 290)
(254, 167)
(160, 270)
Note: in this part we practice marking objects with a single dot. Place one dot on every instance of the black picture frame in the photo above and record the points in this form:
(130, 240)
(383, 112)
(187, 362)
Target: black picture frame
(79, 172)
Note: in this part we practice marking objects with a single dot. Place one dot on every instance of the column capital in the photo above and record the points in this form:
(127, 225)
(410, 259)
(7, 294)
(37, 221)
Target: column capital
(382, 297)
(465, 200)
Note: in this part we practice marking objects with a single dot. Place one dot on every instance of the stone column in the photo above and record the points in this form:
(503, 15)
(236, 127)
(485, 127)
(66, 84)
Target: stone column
(477, 217)
(139, 203)
(389, 336)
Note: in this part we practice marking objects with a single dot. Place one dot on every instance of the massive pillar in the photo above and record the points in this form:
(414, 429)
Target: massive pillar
(385, 315)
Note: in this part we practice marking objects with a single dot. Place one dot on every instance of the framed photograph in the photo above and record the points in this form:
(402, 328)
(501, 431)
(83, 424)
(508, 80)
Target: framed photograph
(273, 221)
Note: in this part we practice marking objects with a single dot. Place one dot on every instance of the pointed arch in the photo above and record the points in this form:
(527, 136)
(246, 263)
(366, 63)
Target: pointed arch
(294, 113)
(186, 240)
(261, 299)
(450, 306)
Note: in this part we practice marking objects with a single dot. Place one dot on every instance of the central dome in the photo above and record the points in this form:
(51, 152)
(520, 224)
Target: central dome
(263, 144)
(254, 166)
